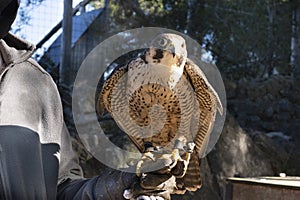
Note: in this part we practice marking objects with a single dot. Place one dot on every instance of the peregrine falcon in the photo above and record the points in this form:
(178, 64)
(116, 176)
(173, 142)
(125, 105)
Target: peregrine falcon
(162, 97)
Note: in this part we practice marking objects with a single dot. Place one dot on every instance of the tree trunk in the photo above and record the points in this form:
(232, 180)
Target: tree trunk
(65, 70)
(295, 42)
(66, 78)
(270, 54)
(190, 7)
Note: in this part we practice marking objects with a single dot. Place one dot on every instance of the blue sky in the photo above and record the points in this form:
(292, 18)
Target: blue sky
(43, 18)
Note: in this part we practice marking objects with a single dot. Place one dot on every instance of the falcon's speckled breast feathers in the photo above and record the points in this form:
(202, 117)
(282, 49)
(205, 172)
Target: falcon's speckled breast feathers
(160, 96)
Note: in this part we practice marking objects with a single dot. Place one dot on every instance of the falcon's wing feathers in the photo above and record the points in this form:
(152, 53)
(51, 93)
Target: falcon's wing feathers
(104, 101)
(126, 124)
(104, 97)
(208, 102)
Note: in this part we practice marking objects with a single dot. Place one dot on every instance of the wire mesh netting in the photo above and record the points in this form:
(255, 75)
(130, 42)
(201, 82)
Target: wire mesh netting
(40, 22)
(35, 19)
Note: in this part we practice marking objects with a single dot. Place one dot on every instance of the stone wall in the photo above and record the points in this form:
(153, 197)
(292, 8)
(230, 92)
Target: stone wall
(271, 105)
(260, 137)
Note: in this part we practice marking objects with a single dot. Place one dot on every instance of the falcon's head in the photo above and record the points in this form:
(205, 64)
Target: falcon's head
(168, 49)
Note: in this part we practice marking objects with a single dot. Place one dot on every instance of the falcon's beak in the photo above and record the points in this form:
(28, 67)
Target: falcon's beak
(172, 50)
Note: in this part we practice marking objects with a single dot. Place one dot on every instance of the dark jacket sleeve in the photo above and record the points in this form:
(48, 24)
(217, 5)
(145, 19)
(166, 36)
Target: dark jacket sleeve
(109, 185)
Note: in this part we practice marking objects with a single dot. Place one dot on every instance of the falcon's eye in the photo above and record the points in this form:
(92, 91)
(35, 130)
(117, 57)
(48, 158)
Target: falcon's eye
(163, 42)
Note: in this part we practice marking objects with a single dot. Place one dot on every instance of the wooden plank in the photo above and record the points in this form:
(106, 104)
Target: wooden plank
(261, 188)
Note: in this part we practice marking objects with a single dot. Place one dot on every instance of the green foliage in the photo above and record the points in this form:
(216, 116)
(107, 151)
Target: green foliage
(247, 39)
(97, 3)
(251, 38)
(152, 7)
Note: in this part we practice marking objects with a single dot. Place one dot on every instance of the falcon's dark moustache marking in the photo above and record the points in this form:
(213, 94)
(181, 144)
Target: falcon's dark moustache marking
(143, 57)
(158, 54)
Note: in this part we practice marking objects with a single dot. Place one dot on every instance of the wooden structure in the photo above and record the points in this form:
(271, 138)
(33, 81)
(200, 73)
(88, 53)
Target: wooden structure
(263, 188)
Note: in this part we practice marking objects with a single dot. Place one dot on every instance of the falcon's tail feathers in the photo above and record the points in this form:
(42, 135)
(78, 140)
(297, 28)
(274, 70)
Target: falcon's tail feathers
(192, 180)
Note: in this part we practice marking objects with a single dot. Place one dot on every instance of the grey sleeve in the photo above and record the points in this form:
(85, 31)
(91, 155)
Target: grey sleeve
(68, 163)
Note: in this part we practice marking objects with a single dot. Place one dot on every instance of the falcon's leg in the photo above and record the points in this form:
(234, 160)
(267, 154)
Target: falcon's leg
(181, 160)
(175, 163)
(147, 156)
(151, 160)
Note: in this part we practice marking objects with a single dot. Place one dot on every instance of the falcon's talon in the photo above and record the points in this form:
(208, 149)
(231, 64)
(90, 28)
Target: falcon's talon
(190, 147)
(158, 149)
(149, 157)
